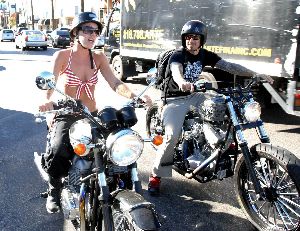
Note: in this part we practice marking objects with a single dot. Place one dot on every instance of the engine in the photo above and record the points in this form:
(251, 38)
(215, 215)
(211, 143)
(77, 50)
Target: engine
(71, 189)
(200, 138)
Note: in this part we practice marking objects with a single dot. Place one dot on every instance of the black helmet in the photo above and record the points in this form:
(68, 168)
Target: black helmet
(194, 27)
(83, 18)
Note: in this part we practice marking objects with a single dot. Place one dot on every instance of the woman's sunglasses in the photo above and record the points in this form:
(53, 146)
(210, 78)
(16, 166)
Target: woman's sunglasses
(194, 37)
(89, 30)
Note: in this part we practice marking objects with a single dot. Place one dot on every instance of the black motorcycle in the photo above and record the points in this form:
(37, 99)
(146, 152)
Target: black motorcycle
(213, 146)
(102, 190)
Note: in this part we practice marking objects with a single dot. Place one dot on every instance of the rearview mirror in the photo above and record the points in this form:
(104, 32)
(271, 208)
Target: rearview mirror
(45, 80)
(151, 75)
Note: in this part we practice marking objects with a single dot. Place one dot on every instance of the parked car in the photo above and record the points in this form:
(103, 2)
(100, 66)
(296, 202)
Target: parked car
(19, 30)
(59, 38)
(7, 34)
(46, 32)
(31, 38)
(100, 42)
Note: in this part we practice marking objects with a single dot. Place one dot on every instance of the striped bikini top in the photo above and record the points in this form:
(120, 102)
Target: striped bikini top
(73, 81)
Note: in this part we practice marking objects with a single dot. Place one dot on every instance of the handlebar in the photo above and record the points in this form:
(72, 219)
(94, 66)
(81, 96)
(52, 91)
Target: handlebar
(201, 86)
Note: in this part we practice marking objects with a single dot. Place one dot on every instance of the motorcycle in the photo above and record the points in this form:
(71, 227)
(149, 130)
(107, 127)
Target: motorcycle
(212, 146)
(102, 190)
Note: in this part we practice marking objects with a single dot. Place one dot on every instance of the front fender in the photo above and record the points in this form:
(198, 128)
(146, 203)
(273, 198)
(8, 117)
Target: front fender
(141, 211)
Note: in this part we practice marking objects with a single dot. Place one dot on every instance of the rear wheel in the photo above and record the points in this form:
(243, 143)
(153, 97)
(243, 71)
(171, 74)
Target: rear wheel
(23, 48)
(278, 173)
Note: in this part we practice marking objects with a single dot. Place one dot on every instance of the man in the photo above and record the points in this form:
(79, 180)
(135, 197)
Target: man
(186, 66)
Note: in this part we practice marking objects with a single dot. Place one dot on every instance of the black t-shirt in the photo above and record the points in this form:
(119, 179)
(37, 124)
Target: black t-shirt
(194, 64)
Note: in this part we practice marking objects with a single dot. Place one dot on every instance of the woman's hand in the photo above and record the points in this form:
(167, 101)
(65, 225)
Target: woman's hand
(147, 100)
(47, 106)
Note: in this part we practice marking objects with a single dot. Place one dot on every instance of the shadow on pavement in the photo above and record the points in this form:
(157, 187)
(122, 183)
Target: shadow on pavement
(20, 183)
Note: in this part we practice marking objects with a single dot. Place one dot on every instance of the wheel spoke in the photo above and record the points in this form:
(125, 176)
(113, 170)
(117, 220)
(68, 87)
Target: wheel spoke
(281, 216)
(290, 201)
(286, 186)
(281, 179)
(288, 193)
(288, 207)
(265, 175)
(261, 178)
(260, 207)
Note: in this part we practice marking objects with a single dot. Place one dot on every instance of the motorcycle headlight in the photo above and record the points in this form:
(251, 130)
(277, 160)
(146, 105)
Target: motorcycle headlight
(252, 111)
(80, 137)
(124, 147)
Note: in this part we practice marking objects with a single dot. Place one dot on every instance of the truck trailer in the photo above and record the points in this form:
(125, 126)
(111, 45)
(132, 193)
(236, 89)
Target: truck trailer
(262, 35)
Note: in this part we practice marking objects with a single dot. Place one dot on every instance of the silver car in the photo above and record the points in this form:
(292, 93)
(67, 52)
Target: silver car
(7, 34)
(100, 42)
(31, 38)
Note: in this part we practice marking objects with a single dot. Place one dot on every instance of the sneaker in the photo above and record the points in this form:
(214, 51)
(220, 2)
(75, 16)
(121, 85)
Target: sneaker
(154, 185)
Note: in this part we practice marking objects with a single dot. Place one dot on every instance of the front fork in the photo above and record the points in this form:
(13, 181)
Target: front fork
(245, 149)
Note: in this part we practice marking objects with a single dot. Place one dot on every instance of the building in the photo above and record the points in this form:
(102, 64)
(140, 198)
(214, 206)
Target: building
(63, 11)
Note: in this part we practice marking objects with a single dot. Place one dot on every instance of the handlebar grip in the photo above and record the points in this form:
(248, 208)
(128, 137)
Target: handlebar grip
(56, 106)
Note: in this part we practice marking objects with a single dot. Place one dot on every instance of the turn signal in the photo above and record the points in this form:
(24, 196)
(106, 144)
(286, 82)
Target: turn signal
(79, 149)
(157, 140)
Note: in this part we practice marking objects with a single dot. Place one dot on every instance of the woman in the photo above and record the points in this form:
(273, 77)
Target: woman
(78, 68)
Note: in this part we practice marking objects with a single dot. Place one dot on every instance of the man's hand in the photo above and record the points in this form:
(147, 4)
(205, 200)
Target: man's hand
(47, 106)
(187, 86)
(267, 78)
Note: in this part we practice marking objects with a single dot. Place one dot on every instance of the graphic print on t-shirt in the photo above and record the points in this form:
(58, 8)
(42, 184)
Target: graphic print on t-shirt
(192, 71)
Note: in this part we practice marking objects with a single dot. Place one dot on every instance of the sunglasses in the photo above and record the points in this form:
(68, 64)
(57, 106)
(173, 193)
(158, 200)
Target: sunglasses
(89, 30)
(194, 37)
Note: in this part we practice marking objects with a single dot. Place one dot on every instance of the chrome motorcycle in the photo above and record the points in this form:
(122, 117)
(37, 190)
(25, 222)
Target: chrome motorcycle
(102, 190)
(213, 146)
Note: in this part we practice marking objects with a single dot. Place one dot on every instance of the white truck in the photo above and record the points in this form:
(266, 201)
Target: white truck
(261, 35)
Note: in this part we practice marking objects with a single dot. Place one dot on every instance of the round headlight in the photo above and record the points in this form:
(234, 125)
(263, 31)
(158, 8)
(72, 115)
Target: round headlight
(252, 111)
(124, 147)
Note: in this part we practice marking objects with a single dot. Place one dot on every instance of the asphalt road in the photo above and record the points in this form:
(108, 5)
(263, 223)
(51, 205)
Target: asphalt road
(183, 204)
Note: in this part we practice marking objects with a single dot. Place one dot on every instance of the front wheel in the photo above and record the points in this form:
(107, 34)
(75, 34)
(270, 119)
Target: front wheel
(278, 172)
(153, 120)
(131, 212)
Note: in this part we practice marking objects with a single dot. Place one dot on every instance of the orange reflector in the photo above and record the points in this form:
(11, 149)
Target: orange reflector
(79, 149)
(157, 140)
(297, 100)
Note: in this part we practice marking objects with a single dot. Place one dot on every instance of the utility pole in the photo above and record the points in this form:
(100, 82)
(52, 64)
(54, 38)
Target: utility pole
(82, 5)
(52, 15)
(32, 16)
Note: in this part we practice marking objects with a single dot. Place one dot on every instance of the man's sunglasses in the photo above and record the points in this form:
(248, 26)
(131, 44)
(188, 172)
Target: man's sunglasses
(194, 37)
(89, 30)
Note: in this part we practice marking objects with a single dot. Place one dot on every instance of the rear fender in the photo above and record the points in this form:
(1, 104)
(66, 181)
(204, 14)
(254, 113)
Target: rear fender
(141, 211)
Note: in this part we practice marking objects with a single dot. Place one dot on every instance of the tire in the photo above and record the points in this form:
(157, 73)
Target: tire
(23, 48)
(278, 171)
(54, 45)
(17, 47)
(152, 119)
(118, 67)
(44, 48)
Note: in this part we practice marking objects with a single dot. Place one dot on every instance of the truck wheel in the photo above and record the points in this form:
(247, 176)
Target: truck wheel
(117, 67)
